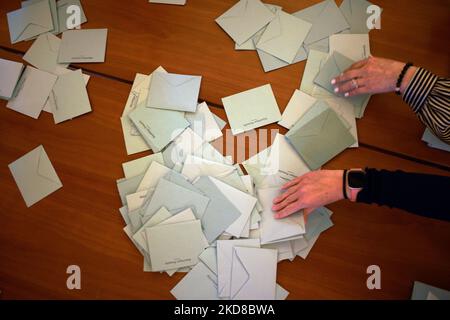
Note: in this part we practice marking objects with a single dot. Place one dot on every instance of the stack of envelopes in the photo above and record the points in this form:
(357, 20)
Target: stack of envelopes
(49, 85)
(189, 209)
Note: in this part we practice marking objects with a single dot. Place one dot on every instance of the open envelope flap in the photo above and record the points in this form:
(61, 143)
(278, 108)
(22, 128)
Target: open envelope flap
(44, 167)
(292, 226)
(244, 11)
(176, 81)
(314, 127)
(238, 11)
(247, 280)
(30, 21)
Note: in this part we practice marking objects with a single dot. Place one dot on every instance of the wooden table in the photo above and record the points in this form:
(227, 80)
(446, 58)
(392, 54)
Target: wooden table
(80, 223)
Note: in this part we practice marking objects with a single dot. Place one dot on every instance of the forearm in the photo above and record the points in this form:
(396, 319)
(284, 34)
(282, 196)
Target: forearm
(423, 194)
(429, 97)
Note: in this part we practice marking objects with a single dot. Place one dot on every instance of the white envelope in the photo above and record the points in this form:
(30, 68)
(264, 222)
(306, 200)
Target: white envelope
(253, 274)
(195, 167)
(347, 112)
(135, 200)
(225, 259)
(278, 230)
(299, 103)
(10, 72)
(35, 176)
(32, 92)
(284, 36)
(187, 143)
(29, 21)
(354, 46)
(138, 166)
(43, 53)
(174, 92)
(242, 201)
(244, 19)
(151, 178)
(203, 123)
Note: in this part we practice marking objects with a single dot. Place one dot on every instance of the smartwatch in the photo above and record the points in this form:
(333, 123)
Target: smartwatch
(355, 180)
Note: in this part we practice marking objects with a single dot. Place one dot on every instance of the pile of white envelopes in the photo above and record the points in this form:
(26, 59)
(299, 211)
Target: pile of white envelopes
(188, 208)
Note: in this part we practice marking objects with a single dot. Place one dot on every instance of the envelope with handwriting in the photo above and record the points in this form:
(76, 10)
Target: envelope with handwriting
(284, 36)
(70, 97)
(174, 92)
(299, 103)
(174, 245)
(32, 91)
(158, 127)
(11, 72)
(244, 19)
(83, 46)
(35, 176)
(30, 21)
(253, 274)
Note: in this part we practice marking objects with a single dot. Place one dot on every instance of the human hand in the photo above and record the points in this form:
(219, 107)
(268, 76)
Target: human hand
(309, 192)
(372, 75)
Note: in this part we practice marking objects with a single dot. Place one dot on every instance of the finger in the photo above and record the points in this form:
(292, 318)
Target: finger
(346, 76)
(290, 209)
(285, 195)
(350, 85)
(355, 92)
(285, 202)
(291, 183)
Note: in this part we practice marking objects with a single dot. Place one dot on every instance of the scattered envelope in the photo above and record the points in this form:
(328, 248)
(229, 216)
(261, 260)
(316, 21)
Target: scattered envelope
(63, 16)
(253, 274)
(43, 53)
(30, 21)
(320, 139)
(140, 165)
(204, 124)
(35, 176)
(185, 144)
(354, 46)
(244, 19)
(70, 96)
(158, 127)
(299, 103)
(277, 230)
(53, 11)
(50, 104)
(151, 177)
(10, 73)
(346, 112)
(355, 12)
(163, 196)
(135, 200)
(128, 186)
(83, 46)
(32, 92)
(326, 19)
(284, 36)
(220, 213)
(316, 60)
(251, 109)
(174, 245)
(195, 167)
(225, 260)
(199, 284)
(334, 66)
(174, 92)
(209, 258)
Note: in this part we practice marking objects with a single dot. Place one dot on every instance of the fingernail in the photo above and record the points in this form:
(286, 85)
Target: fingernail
(336, 89)
(333, 81)
(346, 94)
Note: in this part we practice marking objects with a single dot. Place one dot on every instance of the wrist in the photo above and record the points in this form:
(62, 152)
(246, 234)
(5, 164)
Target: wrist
(407, 79)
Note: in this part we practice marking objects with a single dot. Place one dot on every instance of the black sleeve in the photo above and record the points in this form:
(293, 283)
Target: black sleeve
(423, 194)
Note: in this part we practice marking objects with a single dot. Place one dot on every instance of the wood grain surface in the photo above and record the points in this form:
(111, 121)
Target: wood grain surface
(80, 223)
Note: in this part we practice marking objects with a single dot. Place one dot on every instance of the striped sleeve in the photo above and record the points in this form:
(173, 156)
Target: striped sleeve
(428, 95)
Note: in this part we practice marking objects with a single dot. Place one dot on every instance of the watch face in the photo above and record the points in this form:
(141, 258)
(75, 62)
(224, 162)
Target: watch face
(356, 179)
